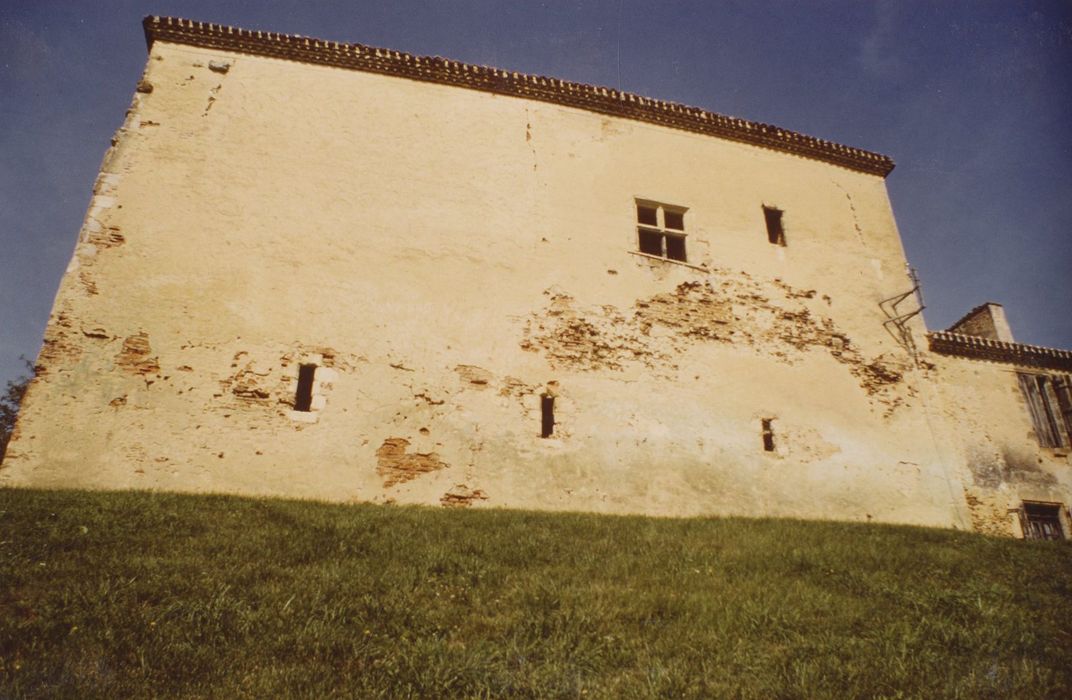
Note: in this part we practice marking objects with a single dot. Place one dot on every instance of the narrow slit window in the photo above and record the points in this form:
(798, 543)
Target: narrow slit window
(303, 397)
(547, 415)
(768, 434)
(775, 231)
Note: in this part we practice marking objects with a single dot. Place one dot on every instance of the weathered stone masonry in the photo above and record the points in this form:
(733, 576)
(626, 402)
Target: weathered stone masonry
(333, 271)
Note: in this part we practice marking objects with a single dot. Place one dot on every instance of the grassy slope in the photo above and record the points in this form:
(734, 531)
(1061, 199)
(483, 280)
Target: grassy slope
(133, 594)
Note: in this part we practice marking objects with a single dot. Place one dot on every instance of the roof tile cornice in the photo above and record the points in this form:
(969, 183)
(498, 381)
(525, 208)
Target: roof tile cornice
(601, 100)
(973, 347)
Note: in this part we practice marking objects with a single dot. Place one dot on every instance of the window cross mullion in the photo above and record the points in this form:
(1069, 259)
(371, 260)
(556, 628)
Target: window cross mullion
(661, 230)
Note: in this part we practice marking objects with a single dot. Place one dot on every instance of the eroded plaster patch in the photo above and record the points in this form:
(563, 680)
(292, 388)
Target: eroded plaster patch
(461, 496)
(476, 376)
(739, 311)
(136, 355)
(59, 348)
(989, 514)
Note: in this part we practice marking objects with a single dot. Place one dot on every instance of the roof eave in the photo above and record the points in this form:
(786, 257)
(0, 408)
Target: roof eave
(592, 98)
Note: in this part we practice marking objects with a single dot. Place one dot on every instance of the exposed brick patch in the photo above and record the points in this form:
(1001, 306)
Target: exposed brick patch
(771, 318)
(989, 515)
(87, 281)
(96, 332)
(512, 386)
(329, 357)
(106, 238)
(476, 376)
(395, 466)
(245, 388)
(59, 347)
(594, 339)
(97, 239)
(793, 293)
(693, 310)
(461, 496)
(135, 355)
(246, 382)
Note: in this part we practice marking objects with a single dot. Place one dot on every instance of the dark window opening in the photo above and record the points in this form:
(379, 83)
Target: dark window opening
(661, 231)
(675, 248)
(647, 215)
(547, 414)
(303, 398)
(1042, 521)
(775, 232)
(768, 434)
(651, 242)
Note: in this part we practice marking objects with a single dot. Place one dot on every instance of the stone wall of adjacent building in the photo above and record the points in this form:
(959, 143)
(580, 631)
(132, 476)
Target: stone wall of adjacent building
(985, 321)
(990, 425)
(447, 258)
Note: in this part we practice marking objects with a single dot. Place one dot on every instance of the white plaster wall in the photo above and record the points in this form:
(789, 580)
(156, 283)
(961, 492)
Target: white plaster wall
(990, 429)
(395, 231)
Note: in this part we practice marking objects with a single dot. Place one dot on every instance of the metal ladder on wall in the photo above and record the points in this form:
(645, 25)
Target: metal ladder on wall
(896, 323)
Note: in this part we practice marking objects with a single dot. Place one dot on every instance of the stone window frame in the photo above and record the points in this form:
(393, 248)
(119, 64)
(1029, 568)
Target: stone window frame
(323, 379)
(1038, 524)
(672, 239)
(1048, 398)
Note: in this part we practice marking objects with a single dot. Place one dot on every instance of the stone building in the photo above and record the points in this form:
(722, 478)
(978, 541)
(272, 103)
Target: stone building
(1008, 412)
(330, 271)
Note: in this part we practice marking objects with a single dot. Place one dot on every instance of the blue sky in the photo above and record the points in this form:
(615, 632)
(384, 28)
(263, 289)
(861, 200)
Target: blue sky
(972, 99)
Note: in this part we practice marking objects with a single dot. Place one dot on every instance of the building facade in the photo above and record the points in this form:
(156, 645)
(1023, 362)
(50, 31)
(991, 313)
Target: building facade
(330, 271)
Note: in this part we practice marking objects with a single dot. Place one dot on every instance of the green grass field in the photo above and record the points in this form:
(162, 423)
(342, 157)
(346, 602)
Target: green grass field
(137, 595)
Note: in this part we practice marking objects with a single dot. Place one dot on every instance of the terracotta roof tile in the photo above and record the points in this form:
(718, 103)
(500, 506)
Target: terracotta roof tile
(601, 100)
(974, 347)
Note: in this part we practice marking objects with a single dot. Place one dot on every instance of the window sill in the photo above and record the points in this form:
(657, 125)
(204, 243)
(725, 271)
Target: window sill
(660, 258)
(303, 416)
